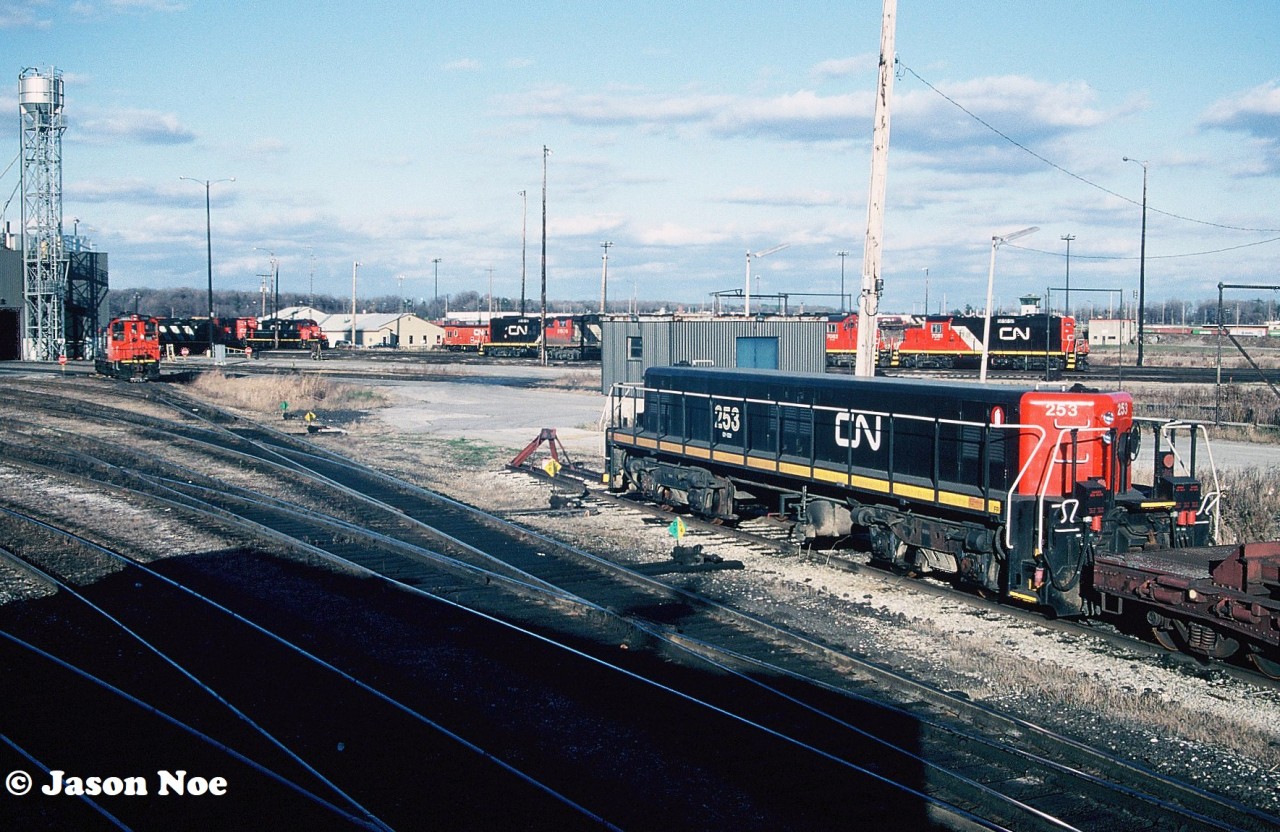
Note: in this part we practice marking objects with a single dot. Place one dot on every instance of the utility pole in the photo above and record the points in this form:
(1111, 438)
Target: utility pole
(1142, 258)
(354, 266)
(872, 283)
(400, 309)
(490, 271)
(542, 337)
(1067, 303)
(524, 237)
(604, 277)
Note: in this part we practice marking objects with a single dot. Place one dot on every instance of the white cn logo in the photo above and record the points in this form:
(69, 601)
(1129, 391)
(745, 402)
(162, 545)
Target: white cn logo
(861, 428)
(1014, 333)
(517, 329)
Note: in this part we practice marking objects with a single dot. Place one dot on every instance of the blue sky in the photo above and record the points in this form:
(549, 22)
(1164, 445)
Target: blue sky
(684, 133)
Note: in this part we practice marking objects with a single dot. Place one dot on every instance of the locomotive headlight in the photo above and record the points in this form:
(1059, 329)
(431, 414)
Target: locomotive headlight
(1108, 418)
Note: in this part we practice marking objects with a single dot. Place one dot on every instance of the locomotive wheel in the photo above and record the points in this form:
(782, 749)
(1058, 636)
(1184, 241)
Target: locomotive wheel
(1266, 666)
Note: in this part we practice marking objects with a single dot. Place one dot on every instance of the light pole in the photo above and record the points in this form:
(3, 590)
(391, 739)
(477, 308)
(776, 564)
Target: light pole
(355, 265)
(275, 294)
(604, 277)
(436, 264)
(524, 240)
(400, 310)
(842, 255)
(208, 242)
(926, 290)
(996, 242)
(1067, 303)
(746, 308)
(1142, 257)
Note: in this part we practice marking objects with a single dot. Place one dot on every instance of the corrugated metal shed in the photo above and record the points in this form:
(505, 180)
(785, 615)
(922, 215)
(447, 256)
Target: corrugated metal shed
(630, 345)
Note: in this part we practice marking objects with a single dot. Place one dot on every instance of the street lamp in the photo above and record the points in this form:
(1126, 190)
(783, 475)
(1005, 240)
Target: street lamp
(926, 290)
(1142, 257)
(436, 264)
(996, 242)
(208, 242)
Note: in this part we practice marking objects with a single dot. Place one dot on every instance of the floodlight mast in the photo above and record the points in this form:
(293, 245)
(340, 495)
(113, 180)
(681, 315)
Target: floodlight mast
(746, 308)
(996, 242)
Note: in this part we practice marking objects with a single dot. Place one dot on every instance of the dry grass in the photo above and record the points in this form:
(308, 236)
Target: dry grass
(580, 380)
(1242, 404)
(266, 394)
(1250, 506)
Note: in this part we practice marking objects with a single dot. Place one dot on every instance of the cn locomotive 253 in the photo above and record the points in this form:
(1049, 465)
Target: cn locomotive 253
(1023, 492)
(130, 349)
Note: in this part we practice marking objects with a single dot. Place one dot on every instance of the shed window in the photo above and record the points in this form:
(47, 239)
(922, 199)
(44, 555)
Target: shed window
(635, 348)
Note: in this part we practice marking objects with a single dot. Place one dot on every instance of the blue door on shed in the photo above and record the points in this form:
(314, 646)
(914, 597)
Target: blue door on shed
(757, 353)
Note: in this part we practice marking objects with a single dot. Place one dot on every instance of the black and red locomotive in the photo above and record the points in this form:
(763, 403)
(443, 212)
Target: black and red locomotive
(954, 342)
(1025, 493)
(568, 337)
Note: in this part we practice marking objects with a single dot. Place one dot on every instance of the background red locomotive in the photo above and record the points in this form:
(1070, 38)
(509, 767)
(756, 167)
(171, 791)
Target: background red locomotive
(130, 349)
(285, 334)
(1025, 493)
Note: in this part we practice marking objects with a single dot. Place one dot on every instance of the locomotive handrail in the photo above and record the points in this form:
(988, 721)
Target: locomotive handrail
(1026, 465)
(1043, 487)
(1211, 500)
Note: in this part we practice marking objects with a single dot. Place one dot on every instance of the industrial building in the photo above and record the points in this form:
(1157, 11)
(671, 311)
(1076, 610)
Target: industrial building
(632, 344)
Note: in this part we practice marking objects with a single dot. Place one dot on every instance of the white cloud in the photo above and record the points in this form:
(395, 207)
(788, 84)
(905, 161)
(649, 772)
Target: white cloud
(1255, 111)
(142, 126)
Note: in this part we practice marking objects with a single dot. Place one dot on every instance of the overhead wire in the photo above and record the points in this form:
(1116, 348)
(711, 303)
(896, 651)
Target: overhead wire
(1090, 182)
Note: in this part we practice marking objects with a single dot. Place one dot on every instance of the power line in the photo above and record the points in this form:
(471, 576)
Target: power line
(1076, 176)
(1149, 256)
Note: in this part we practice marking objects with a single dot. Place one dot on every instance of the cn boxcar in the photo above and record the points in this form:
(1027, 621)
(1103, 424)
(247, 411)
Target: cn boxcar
(464, 337)
(130, 349)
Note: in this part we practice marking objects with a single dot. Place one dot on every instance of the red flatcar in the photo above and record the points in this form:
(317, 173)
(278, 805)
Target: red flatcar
(130, 349)
(464, 337)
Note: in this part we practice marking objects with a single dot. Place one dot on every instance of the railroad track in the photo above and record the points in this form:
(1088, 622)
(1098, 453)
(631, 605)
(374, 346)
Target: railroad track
(421, 539)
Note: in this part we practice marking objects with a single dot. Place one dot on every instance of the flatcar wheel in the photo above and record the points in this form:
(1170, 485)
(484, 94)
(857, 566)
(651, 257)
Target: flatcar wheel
(1267, 667)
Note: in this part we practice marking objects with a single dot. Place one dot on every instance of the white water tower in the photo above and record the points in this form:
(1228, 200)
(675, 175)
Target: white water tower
(40, 101)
